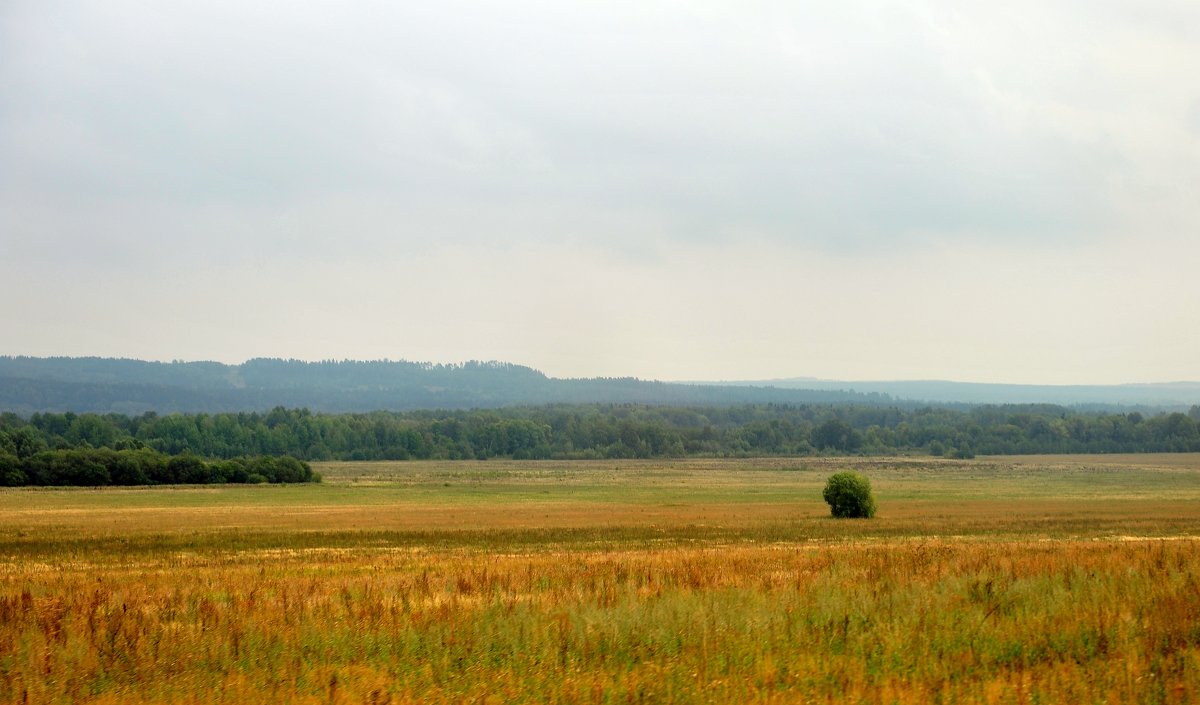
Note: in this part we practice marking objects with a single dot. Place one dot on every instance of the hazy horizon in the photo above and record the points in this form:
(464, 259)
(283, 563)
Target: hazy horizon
(839, 190)
(740, 380)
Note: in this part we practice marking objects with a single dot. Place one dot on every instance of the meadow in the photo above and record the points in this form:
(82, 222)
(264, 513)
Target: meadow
(1006, 579)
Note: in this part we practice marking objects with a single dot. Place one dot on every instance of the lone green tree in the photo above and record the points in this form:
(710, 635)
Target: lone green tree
(849, 496)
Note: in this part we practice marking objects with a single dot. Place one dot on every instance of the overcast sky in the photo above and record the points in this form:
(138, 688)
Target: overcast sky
(980, 191)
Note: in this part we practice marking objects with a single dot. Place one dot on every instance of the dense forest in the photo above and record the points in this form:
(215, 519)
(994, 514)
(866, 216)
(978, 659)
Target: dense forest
(610, 431)
(101, 385)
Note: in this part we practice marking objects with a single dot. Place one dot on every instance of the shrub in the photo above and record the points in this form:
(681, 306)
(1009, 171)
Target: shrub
(11, 474)
(104, 466)
(849, 496)
(232, 471)
(75, 467)
(288, 469)
(188, 469)
(125, 469)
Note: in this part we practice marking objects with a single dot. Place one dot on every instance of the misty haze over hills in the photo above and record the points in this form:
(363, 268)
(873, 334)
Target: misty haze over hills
(1164, 395)
(90, 384)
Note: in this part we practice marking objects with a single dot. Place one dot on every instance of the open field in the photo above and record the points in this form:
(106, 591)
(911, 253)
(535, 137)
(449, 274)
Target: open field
(1027, 579)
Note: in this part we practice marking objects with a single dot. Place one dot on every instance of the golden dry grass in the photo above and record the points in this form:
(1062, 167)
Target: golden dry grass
(995, 580)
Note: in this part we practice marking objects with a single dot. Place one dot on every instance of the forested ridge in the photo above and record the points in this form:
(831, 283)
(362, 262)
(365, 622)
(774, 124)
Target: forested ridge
(101, 385)
(611, 431)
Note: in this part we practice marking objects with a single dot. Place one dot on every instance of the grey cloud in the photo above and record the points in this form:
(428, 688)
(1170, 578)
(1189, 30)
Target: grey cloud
(830, 124)
(409, 175)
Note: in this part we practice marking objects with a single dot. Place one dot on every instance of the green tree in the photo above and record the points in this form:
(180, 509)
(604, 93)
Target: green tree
(849, 496)
(11, 474)
(188, 469)
(836, 434)
(27, 442)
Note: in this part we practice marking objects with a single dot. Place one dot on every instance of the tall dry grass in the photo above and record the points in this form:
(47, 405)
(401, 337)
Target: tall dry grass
(892, 621)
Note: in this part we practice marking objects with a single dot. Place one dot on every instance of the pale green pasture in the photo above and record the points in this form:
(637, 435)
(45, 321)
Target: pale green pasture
(768, 480)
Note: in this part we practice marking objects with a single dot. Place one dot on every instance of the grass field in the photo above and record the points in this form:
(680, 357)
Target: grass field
(1030, 579)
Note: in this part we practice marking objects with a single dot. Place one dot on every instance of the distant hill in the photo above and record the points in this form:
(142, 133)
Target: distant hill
(94, 384)
(1170, 396)
(102, 385)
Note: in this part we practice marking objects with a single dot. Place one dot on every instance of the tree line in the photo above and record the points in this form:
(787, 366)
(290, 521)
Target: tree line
(133, 464)
(609, 431)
